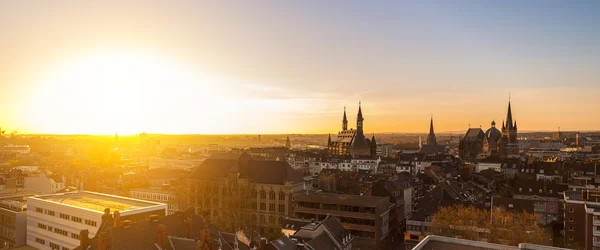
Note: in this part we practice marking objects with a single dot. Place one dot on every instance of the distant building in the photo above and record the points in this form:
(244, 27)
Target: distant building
(431, 140)
(508, 146)
(168, 197)
(471, 145)
(16, 149)
(352, 142)
(55, 221)
(43, 183)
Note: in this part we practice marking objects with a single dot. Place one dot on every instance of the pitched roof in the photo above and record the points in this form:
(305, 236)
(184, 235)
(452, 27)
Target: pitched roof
(178, 243)
(335, 227)
(283, 243)
(258, 171)
(474, 133)
(321, 242)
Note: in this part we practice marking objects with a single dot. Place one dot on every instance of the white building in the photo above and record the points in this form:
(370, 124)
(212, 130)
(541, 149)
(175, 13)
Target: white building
(43, 184)
(56, 221)
(366, 164)
(488, 165)
(27, 169)
(16, 149)
(168, 197)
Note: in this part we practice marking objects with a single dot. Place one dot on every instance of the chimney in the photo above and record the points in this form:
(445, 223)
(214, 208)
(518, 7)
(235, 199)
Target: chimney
(189, 224)
(161, 236)
(84, 241)
(117, 219)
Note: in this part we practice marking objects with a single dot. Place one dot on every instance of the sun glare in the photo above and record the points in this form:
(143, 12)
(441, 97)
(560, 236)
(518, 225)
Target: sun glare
(120, 92)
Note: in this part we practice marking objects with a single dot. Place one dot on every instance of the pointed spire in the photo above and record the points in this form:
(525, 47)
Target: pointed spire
(329, 140)
(509, 121)
(345, 120)
(503, 127)
(431, 126)
(373, 140)
(515, 126)
(359, 118)
(359, 109)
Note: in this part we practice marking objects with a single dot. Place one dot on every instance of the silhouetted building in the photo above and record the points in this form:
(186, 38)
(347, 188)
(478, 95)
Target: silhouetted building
(471, 145)
(508, 146)
(431, 140)
(352, 142)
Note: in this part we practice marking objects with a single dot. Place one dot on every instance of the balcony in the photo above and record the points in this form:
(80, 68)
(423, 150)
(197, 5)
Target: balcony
(596, 222)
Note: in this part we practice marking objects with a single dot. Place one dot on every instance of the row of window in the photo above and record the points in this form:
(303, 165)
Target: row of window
(66, 217)
(58, 231)
(263, 195)
(53, 245)
(151, 196)
(263, 207)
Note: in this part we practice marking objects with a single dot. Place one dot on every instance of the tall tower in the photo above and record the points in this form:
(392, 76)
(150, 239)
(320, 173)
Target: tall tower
(359, 120)
(508, 143)
(431, 140)
(359, 145)
(344, 121)
(288, 144)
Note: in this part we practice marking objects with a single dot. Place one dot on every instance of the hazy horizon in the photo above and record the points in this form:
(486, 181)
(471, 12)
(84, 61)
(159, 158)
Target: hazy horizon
(187, 67)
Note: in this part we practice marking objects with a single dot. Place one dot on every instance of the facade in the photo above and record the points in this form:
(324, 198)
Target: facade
(367, 218)
(55, 221)
(168, 197)
(432, 242)
(350, 141)
(238, 191)
(13, 222)
(471, 145)
(582, 219)
(43, 183)
(16, 149)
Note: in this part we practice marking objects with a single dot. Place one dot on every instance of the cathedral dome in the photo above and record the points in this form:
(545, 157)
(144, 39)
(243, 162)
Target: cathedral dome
(493, 133)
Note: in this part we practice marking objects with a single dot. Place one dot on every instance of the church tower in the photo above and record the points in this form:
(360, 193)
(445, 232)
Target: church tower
(508, 143)
(431, 140)
(344, 121)
(359, 145)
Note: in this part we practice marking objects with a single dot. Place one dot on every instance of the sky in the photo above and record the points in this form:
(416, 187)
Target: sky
(231, 67)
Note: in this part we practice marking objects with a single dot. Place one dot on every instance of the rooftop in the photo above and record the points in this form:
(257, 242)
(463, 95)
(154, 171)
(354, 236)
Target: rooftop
(342, 199)
(432, 242)
(97, 201)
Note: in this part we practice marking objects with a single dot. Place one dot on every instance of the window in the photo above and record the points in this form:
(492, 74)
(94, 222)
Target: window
(550, 191)
(75, 236)
(281, 196)
(42, 226)
(551, 207)
(65, 216)
(571, 210)
(39, 210)
(60, 231)
(272, 195)
(41, 241)
(282, 208)
(510, 205)
(263, 206)
(571, 218)
(90, 223)
(540, 190)
(520, 190)
(64, 248)
(272, 207)
(570, 237)
(263, 194)
(271, 220)
(570, 228)
(76, 219)
(50, 212)
(54, 246)
(530, 190)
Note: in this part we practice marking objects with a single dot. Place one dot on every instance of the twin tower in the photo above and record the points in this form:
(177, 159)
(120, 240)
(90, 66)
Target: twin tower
(352, 141)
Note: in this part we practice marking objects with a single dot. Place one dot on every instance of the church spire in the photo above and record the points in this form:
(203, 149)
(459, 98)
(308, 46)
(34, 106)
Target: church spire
(345, 121)
(431, 140)
(329, 140)
(509, 122)
(359, 118)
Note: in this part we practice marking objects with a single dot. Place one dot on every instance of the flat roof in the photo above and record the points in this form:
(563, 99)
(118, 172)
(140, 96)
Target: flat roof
(341, 199)
(97, 201)
(434, 242)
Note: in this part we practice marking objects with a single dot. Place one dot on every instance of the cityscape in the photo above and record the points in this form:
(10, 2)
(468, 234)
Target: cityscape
(198, 125)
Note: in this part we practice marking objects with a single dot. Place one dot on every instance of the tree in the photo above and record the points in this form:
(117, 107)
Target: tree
(275, 234)
(505, 227)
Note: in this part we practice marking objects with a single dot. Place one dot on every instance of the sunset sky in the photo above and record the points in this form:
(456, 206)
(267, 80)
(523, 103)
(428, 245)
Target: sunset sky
(101, 67)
